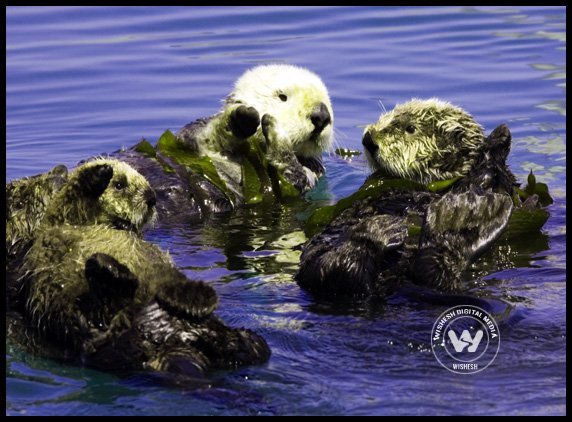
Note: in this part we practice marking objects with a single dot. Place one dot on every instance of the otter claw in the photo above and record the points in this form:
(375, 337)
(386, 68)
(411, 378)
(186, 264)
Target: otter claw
(244, 121)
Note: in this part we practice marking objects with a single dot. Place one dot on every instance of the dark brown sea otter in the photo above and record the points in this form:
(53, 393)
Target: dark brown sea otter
(413, 230)
(94, 292)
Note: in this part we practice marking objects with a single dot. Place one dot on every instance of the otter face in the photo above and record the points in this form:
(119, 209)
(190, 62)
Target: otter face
(424, 140)
(128, 202)
(104, 191)
(296, 98)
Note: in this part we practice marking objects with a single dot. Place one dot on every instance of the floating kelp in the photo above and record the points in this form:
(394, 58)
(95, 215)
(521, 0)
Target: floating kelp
(535, 188)
(528, 215)
(441, 185)
(374, 186)
(145, 148)
(524, 219)
(260, 179)
(177, 150)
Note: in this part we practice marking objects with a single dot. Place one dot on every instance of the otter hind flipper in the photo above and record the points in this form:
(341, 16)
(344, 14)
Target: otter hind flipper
(499, 141)
(193, 299)
(470, 220)
(243, 347)
(108, 278)
(112, 289)
(457, 229)
(490, 170)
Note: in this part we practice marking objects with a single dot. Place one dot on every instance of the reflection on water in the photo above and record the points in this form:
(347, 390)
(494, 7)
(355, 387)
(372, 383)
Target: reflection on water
(84, 81)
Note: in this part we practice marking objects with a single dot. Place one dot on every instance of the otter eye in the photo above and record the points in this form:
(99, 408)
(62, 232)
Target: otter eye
(119, 185)
(410, 129)
(283, 97)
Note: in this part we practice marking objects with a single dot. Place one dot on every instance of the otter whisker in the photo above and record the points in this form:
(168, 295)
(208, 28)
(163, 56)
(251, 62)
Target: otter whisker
(382, 106)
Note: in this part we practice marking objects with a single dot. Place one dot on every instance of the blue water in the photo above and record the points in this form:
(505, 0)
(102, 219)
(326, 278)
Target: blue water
(82, 81)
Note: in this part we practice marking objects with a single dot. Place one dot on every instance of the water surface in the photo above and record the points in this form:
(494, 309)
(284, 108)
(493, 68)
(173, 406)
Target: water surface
(82, 81)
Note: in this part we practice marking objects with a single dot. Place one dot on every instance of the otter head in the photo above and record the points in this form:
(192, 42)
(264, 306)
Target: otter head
(26, 202)
(298, 101)
(424, 140)
(104, 191)
(128, 202)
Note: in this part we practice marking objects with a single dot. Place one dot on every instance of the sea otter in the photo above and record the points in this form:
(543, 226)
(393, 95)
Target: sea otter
(271, 132)
(98, 294)
(411, 228)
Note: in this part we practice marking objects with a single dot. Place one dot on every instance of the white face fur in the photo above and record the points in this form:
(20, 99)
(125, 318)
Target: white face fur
(290, 94)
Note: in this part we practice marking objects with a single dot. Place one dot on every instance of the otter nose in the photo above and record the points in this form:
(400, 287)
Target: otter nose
(321, 117)
(150, 198)
(368, 144)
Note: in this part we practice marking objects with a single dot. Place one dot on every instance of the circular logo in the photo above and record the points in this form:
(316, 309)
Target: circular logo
(465, 339)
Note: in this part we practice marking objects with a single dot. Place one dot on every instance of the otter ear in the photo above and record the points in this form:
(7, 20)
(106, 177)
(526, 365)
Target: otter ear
(59, 176)
(498, 142)
(110, 280)
(93, 180)
(59, 170)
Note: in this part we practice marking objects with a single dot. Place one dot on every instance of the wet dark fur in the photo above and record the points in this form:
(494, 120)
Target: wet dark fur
(368, 250)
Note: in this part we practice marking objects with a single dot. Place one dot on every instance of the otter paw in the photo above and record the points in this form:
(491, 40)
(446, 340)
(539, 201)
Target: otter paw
(193, 299)
(108, 278)
(268, 124)
(498, 143)
(244, 121)
(94, 179)
(120, 323)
